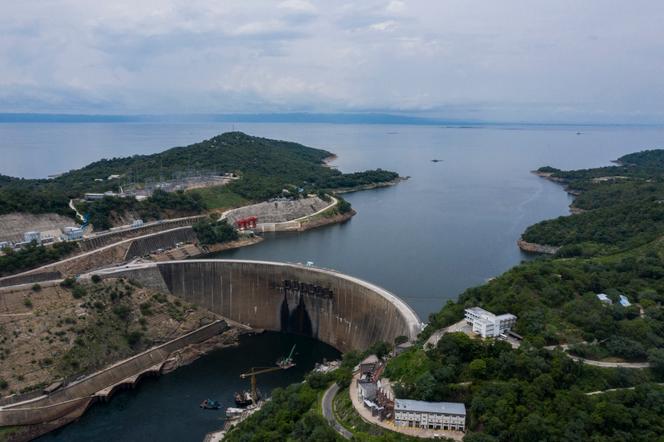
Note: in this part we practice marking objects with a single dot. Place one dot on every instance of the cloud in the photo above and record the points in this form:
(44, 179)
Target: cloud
(298, 6)
(386, 25)
(395, 7)
(516, 59)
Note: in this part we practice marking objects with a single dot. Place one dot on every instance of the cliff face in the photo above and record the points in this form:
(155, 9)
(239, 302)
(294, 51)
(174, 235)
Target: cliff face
(530, 247)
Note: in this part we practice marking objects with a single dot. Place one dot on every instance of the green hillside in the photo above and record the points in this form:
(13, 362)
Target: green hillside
(534, 393)
(265, 168)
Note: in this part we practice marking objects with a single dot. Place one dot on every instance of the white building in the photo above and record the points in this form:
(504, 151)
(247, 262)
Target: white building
(605, 299)
(433, 415)
(488, 325)
(136, 223)
(28, 237)
(72, 233)
(624, 301)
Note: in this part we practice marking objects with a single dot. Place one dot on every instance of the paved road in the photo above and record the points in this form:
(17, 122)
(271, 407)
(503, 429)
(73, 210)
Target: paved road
(565, 347)
(328, 412)
(592, 393)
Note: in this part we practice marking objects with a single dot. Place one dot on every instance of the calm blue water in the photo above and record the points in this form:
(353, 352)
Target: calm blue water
(451, 226)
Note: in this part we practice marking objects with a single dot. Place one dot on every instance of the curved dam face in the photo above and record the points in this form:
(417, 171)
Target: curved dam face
(340, 310)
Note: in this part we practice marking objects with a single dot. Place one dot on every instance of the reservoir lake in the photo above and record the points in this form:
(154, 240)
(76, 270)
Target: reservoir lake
(452, 225)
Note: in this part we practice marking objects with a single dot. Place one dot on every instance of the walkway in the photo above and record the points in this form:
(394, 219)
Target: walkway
(610, 390)
(73, 207)
(460, 326)
(328, 411)
(634, 365)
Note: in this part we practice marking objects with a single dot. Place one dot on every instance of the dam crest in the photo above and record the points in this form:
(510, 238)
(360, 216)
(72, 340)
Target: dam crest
(340, 310)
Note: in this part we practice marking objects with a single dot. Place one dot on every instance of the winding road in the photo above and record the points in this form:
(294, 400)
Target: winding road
(328, 411)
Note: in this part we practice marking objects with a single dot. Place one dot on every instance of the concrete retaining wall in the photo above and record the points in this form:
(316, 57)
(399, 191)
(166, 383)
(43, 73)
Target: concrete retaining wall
(278, 211)
(343, 311)
(115, 236)
(106, 256)
(64, 401)
(143, 246)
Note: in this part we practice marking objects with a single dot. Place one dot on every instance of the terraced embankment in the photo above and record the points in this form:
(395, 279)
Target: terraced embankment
(45, 413)
(287, 215)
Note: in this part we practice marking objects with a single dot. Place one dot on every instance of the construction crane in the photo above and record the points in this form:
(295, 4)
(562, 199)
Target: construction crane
(253, 372)
(282, 364)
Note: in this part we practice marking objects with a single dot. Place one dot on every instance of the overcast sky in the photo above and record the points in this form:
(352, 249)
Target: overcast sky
(558, 60)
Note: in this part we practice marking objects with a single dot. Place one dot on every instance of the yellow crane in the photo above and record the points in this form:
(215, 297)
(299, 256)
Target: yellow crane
(253, 372)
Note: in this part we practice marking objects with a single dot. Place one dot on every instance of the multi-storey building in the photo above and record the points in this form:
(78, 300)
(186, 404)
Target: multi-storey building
(432, 415)
(488, 325)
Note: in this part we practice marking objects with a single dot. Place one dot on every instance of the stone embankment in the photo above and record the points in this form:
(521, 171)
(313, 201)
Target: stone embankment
(104, 256)
(106, 238)
(530, 247)
(196, 250)
(45, 413)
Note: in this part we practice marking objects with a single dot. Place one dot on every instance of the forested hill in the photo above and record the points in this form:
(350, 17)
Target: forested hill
(621, 207)
(537, 392)
(265, 167)
(615, 247)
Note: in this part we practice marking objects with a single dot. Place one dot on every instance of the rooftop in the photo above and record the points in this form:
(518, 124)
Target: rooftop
(430, 407)
(479, 311)
(624, 301)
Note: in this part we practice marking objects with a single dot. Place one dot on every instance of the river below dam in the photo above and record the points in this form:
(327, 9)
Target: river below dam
(452, 225)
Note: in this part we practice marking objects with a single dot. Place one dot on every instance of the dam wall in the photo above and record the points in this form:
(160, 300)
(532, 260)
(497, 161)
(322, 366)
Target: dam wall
(343, 311)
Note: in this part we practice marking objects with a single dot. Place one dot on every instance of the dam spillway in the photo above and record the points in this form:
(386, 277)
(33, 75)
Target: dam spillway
(340, 310)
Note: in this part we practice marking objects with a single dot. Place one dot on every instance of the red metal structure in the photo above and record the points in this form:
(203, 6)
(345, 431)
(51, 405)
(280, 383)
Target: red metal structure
(246, 223)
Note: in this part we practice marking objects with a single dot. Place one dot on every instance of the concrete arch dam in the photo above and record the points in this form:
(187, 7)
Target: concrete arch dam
(345, 312)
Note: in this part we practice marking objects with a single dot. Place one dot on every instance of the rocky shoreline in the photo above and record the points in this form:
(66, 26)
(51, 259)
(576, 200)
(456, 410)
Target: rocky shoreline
(324, 221)
(530, 247)
(563, 182)
(190, 353)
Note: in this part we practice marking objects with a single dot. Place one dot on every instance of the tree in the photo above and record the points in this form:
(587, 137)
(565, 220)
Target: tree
(477, 368)
(656, 360)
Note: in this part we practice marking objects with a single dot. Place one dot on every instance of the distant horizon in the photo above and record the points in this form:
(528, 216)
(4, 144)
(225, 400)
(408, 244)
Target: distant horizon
(287, 117)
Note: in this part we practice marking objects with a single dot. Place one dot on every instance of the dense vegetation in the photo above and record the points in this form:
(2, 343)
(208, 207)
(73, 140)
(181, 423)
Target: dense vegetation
(615, 247)
(210, 231)
(161, 204)
(33, 255)
(556, 301)
(287, 416)
(530, 394)
(266, 168)
(623, 207)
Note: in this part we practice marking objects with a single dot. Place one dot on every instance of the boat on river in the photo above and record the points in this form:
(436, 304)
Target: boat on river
(210, 404)
(287, 362)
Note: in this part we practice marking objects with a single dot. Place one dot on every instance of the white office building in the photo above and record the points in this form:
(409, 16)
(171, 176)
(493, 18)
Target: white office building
(488, 325)
(431, 415)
